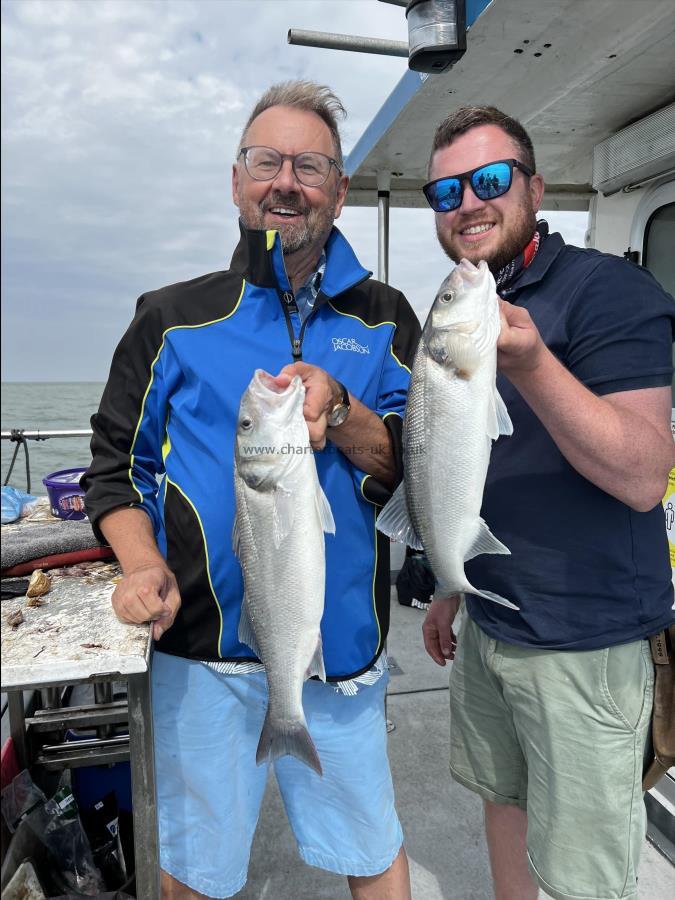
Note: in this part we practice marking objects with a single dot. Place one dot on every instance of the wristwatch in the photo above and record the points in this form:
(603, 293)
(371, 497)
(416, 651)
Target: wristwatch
(340, 411)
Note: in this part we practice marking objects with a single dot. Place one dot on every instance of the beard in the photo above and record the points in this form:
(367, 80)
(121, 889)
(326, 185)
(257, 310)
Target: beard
(314, 228)
(516, 237)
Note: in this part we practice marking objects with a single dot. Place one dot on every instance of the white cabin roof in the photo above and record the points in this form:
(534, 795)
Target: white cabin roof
(572, 71)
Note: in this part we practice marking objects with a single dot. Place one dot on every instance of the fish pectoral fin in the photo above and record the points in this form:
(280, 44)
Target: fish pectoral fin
(236, 537)
(485, 542)
(246, 634)
(324, 510)
(394, 520)
(283, 514)
(316, 665)
(462, 353)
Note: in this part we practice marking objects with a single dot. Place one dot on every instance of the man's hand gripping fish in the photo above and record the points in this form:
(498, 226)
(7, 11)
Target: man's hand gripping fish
(282, 513)
(453, 414)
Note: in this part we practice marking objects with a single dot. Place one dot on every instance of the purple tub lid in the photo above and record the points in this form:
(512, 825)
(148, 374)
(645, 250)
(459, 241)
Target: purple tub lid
(64, 477)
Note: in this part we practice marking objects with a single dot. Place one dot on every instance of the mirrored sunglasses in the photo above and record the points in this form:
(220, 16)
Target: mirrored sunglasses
(487, 182)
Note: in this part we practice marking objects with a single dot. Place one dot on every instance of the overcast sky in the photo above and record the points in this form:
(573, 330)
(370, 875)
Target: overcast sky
(120, 119)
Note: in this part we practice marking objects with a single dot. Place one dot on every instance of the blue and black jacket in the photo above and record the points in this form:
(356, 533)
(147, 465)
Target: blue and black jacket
(170, 408)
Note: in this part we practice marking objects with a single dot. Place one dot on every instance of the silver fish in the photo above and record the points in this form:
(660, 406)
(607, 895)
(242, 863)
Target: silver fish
(281, 516)
(453, 414)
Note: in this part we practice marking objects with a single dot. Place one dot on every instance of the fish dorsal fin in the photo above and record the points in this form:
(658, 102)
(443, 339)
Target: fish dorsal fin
(499, 420)
(316, 665)
(485, 542)
(394, 520)
(324, 510)
(246, 634)
(283, 514)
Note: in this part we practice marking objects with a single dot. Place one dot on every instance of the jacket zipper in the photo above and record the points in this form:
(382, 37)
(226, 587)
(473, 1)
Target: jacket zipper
(296, 342)
(287, 299)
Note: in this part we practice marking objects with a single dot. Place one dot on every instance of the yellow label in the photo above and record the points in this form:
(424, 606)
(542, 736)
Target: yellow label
(669, 506)
(669, 513)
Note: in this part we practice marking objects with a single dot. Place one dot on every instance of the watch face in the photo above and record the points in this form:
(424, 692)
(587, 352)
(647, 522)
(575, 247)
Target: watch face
(338, 414)
(341, 410)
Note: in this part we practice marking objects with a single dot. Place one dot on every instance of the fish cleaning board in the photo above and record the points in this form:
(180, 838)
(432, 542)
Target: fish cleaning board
(72, 636)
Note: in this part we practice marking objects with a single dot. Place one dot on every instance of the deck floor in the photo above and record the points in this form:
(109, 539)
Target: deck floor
(442, 821)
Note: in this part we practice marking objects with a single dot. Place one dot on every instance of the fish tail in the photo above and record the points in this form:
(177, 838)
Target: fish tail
(287, 739)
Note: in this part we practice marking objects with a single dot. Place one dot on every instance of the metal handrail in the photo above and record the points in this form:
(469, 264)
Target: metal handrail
(20, 436)
(39, 435)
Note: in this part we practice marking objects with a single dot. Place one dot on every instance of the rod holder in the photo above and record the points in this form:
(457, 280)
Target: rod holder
(329, 41)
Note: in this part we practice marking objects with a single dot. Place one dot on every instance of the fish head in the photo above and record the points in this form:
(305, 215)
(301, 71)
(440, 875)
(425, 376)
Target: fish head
(462, 318)
(464, 295)
(271, 430)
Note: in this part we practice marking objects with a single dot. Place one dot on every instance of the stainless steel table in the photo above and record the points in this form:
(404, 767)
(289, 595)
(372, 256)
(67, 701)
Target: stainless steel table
(75, 638)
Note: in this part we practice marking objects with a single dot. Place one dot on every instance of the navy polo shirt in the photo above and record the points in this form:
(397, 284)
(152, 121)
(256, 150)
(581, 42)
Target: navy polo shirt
(585, 569)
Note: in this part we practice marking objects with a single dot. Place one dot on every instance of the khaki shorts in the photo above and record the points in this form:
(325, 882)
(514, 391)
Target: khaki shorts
(562, 735)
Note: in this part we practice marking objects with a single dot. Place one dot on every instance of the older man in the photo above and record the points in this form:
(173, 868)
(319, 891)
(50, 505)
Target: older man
(551, 703)
(295, 300)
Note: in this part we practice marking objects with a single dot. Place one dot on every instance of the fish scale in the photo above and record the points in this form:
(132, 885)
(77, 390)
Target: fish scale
(284, 593)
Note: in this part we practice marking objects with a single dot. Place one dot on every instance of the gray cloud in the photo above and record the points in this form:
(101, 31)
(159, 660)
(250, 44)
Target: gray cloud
(119, 124)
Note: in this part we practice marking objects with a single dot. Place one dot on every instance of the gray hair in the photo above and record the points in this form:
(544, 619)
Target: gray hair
(308, 96)
(468, 117)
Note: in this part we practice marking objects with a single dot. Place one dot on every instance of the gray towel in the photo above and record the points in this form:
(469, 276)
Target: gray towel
(26, 542)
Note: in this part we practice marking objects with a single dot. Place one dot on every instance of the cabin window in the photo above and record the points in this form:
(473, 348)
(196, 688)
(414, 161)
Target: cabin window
(659, 241)
(657, 255)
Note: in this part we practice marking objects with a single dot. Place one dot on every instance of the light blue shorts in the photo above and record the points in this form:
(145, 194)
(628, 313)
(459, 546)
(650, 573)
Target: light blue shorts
(209, 789)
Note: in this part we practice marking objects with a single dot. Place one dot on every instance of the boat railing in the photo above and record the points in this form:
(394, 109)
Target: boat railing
(21, 436)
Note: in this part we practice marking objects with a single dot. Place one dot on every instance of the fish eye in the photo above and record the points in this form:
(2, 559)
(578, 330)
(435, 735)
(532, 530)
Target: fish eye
(246, 424)
(447, 297)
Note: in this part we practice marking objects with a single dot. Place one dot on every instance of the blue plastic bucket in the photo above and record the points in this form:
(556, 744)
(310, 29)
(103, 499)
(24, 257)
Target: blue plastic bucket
(65, 494)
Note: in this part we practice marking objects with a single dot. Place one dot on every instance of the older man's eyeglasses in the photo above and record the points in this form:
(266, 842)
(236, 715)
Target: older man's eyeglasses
(488, 181)
(310, 168)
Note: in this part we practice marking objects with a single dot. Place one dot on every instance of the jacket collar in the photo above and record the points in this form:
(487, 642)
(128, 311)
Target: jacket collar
(252, 257)
(259, 259)
(536, 271)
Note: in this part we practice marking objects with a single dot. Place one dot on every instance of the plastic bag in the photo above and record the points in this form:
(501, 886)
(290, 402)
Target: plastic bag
(57, 825)
(15, 503)
(19, 798)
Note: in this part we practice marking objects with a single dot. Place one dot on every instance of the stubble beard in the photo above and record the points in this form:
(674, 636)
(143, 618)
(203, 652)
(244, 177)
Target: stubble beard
(514, 242)
(313, 230)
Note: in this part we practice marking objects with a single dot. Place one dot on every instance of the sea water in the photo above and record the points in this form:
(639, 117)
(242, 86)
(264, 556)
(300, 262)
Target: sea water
(48, 406)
